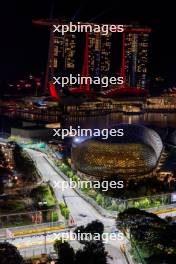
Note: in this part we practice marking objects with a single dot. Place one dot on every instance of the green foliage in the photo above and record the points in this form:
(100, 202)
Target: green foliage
(43, 193)
(100, 199)
(65, 168)
(146, 203)
(139, 254)
(70, 174)
(62, 205)
(66, 213)
(150, 235)
(64, 210)
(55, 217)
(75, 178)
(113, 204)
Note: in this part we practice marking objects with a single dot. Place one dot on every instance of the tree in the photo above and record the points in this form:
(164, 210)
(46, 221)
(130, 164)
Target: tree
(92, 253)
(133, 218)
(9, 254)
(65, 252)
(150, 233)
(162, 259)
(93, 228)
(156, 238)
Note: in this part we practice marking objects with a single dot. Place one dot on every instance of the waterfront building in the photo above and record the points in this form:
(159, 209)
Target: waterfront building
(130, 156)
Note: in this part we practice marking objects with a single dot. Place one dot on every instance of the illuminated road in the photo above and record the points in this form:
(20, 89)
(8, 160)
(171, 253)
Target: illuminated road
(81, 211)
(35, 245)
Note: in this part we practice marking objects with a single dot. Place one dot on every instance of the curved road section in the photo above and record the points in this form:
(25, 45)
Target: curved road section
(81, 210)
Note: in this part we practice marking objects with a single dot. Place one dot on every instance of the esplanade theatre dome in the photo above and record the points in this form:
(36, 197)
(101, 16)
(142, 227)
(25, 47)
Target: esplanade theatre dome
(135, 153)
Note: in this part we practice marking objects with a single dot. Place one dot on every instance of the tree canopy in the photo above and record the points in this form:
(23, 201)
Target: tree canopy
(150, 233)
(9, 254)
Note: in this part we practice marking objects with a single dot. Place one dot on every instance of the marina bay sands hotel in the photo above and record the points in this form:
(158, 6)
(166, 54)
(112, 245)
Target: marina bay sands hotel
(124, 54)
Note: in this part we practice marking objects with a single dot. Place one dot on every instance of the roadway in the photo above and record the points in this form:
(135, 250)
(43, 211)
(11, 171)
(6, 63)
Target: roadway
(35, 245)
(81, 211)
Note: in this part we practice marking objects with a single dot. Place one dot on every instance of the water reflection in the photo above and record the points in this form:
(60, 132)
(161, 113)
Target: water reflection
(155, 119)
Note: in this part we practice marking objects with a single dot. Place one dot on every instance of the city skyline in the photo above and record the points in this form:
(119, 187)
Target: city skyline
(25, 39)
(87, 132)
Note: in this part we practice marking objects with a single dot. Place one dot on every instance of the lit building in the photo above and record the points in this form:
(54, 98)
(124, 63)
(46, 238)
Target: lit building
(63, 57)
(99, 47)
(90, 54)
(67, 52)
(134, 154)
(136, 46)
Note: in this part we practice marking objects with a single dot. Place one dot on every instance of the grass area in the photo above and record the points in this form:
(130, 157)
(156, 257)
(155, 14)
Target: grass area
(44, 193)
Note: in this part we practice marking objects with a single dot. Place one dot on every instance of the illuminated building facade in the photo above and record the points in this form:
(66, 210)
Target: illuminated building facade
(134, 154)
(136, 58)
(99, 60)
(67, 52)
(64, 52)
(90, 54)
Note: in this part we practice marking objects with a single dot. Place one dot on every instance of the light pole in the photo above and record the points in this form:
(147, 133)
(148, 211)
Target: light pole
(45, 249)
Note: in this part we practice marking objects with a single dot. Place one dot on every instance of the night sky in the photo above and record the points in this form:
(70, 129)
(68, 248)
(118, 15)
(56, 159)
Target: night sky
(24, 46)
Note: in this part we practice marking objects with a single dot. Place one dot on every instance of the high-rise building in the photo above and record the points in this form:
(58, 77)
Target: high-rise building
(136, 46)
(67, 52)
(90, 54)
(99, 52)
(64, 49)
